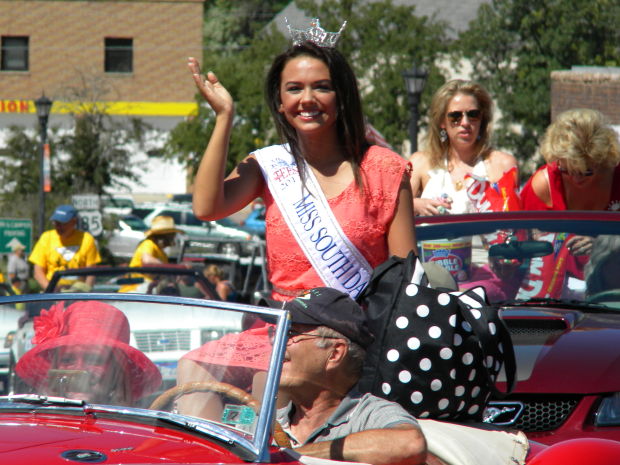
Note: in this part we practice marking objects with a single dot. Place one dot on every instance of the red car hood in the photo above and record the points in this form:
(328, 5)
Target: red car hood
(565, 351)
(48, 438)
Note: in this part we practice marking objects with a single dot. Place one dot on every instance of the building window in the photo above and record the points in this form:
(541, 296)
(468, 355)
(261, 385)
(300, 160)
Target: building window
(14, 54)
(118, 55)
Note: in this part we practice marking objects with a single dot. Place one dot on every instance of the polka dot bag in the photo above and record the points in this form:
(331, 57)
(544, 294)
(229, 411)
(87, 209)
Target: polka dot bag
(437, 353)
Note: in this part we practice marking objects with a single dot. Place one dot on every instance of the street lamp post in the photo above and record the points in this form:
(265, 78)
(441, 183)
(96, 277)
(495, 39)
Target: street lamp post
(43, 106)
(415, 78)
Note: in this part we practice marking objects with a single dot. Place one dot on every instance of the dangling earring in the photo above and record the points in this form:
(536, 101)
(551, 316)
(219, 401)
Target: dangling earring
(443, 135)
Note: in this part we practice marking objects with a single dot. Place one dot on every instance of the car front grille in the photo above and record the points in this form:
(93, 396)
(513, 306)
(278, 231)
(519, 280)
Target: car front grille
(163, 340)
(540, 413)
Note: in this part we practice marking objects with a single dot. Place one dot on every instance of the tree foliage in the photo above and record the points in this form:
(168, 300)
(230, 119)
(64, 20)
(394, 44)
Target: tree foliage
(97, 150)
(21, 158)
(91, 157)
(229, 26)
(531, 38)
(381, 40)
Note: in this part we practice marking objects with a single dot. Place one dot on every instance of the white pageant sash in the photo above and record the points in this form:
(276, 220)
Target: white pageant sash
(307, 213)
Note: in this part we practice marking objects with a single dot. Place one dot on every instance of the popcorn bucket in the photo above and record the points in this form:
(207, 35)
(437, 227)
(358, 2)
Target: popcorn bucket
(454, 255)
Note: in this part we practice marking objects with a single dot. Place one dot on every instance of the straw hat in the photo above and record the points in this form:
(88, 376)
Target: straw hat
(88, 325)
(162, 224)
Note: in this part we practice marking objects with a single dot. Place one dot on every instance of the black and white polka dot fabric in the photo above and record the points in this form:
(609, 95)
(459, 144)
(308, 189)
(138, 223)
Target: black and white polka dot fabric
(437, 353)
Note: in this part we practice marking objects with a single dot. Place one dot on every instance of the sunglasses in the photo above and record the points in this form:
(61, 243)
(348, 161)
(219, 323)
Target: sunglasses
(271, 331)
(456, 116)
(583, 174)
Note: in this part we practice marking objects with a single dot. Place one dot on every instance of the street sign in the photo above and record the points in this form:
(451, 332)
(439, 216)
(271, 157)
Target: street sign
(15, 232)
(85, 201)
(90, 216)
(91, 221)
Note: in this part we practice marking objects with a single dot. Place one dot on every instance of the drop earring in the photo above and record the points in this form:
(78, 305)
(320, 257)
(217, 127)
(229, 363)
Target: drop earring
(443, 135)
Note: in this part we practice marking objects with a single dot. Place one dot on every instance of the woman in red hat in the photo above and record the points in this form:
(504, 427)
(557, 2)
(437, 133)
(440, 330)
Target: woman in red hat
(83, 352)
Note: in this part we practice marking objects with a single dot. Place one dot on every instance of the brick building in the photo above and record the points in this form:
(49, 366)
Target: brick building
(130, 55)
(134, 50)
(587, 87)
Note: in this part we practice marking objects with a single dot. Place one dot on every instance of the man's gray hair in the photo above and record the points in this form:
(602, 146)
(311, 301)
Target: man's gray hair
(355, 356)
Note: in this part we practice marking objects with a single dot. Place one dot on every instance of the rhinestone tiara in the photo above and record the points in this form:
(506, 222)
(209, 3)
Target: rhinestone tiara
(315, 34)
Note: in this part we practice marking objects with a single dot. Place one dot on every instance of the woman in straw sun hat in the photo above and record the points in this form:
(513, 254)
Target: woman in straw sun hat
(82, 351)
(161, 235)
(151, 250)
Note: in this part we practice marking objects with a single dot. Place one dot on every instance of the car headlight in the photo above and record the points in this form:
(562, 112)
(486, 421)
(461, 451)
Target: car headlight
(608, 412)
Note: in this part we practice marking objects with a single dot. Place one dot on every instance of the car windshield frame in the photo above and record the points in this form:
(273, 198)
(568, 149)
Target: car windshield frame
(104, 270)
(253, 447)
(429, 227)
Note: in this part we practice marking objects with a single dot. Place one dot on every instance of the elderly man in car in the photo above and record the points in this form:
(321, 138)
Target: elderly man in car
(326, 417)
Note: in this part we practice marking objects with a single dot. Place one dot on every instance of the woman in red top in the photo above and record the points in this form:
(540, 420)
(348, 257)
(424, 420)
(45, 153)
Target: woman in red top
(582, 173)
(312, 93)
(583, 165)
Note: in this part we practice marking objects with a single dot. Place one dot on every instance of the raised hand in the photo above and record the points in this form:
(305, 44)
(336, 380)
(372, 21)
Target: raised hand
(211, 89)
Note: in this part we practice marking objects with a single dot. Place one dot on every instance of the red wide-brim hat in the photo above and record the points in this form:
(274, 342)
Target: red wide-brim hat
(88, 325)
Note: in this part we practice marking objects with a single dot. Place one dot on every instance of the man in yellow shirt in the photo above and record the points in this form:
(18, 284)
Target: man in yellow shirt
(63, 247)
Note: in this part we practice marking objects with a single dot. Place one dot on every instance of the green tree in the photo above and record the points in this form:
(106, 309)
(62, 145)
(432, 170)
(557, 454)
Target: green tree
(380, 39)
(531, 38)
(89, 158)
(21, 158)
(242, 73)
(229, 26)
(97, 151)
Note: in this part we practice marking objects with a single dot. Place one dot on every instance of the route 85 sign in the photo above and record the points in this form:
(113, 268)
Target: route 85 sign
(89, 213)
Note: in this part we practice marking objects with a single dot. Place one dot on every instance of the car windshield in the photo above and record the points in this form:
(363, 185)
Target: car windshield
(205, 363)
(134, 222)
(526, 256)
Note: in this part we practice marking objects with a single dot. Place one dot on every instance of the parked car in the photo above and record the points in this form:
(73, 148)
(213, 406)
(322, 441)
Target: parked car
(255, 221)
(181, 198)
(127, 233)
(561, 302)
(128, 414)
(221, 239)
(229, 222)
(142, 209)
(120, 205)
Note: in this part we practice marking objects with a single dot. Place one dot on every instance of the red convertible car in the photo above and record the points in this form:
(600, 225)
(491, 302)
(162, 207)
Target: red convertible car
(555, 276)
(99, 382)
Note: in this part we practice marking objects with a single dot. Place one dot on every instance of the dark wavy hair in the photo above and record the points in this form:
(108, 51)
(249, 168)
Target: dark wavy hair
(350, 123)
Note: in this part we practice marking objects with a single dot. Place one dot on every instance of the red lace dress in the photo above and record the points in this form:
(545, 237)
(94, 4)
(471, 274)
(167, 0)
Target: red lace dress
(365, 220)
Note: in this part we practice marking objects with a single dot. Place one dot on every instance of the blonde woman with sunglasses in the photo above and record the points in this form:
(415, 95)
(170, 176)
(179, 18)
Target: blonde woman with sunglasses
(457, 144)
(582, 170)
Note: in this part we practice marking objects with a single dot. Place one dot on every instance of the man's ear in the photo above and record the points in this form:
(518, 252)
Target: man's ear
(338, 352)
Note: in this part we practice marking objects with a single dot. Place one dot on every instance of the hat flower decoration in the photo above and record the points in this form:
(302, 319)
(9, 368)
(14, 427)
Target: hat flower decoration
(50, 324)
